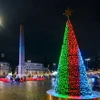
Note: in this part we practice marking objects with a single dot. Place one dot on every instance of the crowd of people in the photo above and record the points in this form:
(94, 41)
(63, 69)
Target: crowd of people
(17, 79)
(94, 80)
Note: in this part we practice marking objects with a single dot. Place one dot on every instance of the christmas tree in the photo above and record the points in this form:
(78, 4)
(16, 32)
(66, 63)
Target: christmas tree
(71, 78)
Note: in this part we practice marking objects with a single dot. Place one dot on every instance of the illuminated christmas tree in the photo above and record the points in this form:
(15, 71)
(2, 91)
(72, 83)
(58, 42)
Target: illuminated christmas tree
(71, 78)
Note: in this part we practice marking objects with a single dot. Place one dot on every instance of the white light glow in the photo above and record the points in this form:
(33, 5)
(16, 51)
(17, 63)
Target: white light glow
(0, 21)
(88, 59)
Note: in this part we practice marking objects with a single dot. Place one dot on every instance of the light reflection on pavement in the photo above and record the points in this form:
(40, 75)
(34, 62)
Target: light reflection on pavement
(33, 90)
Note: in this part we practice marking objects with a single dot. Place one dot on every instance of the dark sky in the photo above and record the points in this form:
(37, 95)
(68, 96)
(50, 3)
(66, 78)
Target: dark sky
(44, 27)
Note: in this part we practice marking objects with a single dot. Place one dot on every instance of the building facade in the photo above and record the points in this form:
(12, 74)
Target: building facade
(4, 68)
(33, 68)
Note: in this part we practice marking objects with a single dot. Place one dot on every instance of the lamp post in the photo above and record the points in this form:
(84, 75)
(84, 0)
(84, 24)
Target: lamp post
(1, 21)
(87, 60)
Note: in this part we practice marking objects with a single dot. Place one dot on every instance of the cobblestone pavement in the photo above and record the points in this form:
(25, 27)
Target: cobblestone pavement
(33, 90)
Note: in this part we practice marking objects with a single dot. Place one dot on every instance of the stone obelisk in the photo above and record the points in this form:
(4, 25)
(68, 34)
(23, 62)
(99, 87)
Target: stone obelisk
(21, 70)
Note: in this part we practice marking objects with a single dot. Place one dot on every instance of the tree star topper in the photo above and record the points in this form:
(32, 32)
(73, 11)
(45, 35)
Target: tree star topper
(68, 12)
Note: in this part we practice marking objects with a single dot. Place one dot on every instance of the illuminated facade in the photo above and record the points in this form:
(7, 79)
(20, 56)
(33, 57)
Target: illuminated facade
(4, 68)
(33, 67)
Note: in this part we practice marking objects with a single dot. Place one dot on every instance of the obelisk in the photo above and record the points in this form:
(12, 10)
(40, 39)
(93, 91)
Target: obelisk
(21, 65)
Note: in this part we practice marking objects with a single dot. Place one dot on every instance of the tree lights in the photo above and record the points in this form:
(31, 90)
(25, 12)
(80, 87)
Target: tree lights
(71, 78)
(71, 81)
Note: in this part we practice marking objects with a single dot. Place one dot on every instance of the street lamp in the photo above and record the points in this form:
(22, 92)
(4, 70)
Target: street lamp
(1, 21)
(87, 60)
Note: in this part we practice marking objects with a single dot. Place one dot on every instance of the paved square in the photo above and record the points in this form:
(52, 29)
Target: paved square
(33, 90)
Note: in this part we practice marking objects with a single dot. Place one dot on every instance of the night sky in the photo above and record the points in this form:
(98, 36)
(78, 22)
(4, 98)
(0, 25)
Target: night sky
(44, 25)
